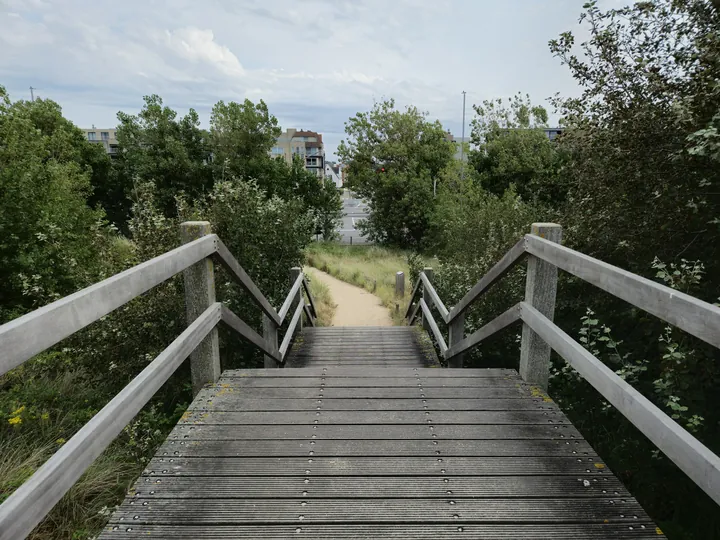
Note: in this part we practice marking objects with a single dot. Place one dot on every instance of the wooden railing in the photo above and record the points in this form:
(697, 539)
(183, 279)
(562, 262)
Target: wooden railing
(540, 335)
(23, 338)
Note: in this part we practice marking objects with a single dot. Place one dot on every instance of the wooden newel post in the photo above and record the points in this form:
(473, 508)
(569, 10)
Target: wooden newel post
(426, 296)
(399, 285)
(199, 295)
(456, 335)
(270, 333)
(294, 273)
(540, 290)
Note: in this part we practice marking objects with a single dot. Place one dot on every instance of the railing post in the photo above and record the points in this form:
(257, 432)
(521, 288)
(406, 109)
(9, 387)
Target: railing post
(199, 295)
(426, 296)
(456, 335)
(540, 290)
(399, 285)
(294, 273)
(270, 333)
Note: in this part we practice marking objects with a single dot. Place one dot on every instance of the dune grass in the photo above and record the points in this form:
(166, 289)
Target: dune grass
(370, 267)
(324, 304)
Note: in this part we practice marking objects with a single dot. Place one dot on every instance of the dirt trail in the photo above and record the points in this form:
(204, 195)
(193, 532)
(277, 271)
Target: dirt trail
(355, 306)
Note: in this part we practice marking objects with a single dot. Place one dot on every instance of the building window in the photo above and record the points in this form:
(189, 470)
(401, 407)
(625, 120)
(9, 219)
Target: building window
(277, 151)
(104, 135)
(91, 136)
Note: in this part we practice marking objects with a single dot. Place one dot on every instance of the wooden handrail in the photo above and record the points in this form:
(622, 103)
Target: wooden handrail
(474, 339)
(701, 319)
(510, 259)
(230, 263)
(433, 326)
(248, 334)
(26, 336)
(427, 286)
(31, 502)
(693, 458)
(290, 298)
(291, 328)
(310, 298)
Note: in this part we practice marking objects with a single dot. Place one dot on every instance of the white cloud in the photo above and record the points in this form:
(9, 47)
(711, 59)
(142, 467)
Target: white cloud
(199, 45)
(315, 62)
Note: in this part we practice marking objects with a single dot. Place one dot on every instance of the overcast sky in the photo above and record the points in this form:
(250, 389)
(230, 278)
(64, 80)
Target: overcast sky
(314, 62)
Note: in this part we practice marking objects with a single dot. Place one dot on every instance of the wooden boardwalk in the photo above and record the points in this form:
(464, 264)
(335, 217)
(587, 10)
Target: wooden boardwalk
(364, 441)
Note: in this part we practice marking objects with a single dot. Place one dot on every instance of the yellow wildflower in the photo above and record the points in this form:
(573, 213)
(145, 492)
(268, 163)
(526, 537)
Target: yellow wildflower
(60, 441)
(15, 420)
(45, 416)
(19, 411)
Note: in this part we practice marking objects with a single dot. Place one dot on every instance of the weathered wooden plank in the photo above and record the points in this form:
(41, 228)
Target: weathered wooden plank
(694, 458)
(701, 319)
(31, 502)
(360, 372)
(375, 417)
(292, 295)
(291, 328)
(474, 339)
(433, 326)
(238, 511)
(248, 334)
(26, 336)
(414, 292)
(308, 315)
(371, 382)
(456, 487)
(311, 300)
(370, 393)
(639, 530)
(367, 448)
(510, 259)
(215, 401)
(182, 433)
(230, 263)
(432, 293)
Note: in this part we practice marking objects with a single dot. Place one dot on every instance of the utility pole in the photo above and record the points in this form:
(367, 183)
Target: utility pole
(462, 142)
(32, 95)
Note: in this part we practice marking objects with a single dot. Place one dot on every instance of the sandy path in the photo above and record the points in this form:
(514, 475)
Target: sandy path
(355, 306)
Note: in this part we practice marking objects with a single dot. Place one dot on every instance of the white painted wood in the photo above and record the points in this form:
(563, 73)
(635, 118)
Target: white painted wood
(433, 296)
(32, 501)
(428, 318)
(291, 329)
(233, 266)
(474, 339)
(696, 317)
(31, 334)
(510, 259)
(291, 297)
(693, 458)
(540, 290)
(248, 334)
(199, 295)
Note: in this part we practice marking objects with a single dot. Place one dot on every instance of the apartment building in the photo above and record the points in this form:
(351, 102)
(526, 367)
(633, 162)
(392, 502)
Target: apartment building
(306, 144)
(105, 136)
(332, 171)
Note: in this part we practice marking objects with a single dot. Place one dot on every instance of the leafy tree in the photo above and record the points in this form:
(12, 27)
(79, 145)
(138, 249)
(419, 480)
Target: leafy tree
(394, 159)
(155, 146)
(46, 227)
(241, 136)
(642, 170)
(511, 148)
